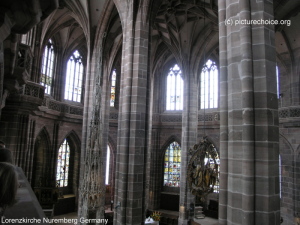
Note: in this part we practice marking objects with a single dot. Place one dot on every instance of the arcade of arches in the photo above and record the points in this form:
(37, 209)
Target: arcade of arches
(144, 81)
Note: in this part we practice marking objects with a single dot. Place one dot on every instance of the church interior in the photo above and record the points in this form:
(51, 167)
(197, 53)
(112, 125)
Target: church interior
(182, 110)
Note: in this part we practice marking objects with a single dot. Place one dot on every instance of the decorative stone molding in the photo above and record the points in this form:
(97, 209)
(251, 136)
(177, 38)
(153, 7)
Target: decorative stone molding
(62, 106)
(28, 95)
(171, 118)
(289, 112)
(32, 89)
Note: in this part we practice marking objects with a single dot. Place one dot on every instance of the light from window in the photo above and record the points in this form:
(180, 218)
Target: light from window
(213, 165)
(27, 38)
(209, 93)
(107, 165)
(113, 88)
(280, 176)
(277, 82)
(73, 87)
(172, 164)
(63, 161)
(174, 89)
(47, 67)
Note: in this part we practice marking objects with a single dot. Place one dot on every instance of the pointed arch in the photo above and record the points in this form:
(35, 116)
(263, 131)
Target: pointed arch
(289, 178)
(42, 159)
(171, 163)
(171, 139)
(74, 77)
(174, 88)
(209, 85)
(112, 146)
(67, 163)
(48, 64)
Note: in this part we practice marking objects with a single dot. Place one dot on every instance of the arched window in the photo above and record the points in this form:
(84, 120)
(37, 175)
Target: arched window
(47, 67)
(174, 95)
(172, 164)
(107, 165)
(73, 87)
(113, 88)
(278, 82)
(209, 91)
(27, 39)
(63, 163)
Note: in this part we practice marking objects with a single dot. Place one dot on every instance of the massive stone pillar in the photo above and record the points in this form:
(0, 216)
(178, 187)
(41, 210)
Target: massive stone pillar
(133, 104)
(189, 138)
(249, 192)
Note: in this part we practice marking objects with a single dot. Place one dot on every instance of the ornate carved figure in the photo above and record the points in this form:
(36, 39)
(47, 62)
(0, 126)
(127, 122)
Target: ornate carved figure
(203, 169)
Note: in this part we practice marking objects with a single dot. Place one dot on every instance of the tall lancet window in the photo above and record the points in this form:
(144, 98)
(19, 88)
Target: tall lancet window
(113, 88)
(209, 93)
(174, 100)
(278, 82)
(47, 67)
(63, 163)
(73, 87)
(172, 164)
(107, 166)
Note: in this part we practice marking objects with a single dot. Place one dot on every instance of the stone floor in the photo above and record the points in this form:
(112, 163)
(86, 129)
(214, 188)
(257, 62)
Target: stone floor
(206, 221)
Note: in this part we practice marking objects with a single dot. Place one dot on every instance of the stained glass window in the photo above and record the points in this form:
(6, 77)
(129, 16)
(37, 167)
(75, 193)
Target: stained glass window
(73, 87)
(63, 162)
(172, 165)
(209, 91)
(174, 100)
(47, 67)
(113, 88)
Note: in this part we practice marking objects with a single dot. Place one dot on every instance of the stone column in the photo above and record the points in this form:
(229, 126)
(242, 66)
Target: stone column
(223, 114)
(189, 138)
(133, 117)
(250, 179)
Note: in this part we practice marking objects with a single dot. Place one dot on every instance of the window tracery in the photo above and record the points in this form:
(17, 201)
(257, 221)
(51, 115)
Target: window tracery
(47, 67)
(174, 95)
(73, 87)
(209, 91)
(63, 163)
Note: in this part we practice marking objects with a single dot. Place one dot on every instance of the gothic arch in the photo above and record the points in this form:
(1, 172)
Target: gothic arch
(288, 176)
(167, 143)
(42, 158)
(75, 150)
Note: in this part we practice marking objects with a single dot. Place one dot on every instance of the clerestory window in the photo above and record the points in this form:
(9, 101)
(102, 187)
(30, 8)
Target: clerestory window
(47, 67)
(209, 91)
(174, 94)
(73, 87)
